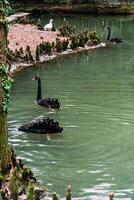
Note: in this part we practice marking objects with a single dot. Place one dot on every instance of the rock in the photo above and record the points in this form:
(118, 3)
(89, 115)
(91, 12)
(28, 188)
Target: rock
(40, 193)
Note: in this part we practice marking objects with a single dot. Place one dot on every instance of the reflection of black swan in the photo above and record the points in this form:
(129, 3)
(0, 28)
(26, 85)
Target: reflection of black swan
(115, 39)
(46, 102)
(41, 125)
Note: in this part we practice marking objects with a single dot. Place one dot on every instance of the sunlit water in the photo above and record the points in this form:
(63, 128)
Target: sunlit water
(95, 152)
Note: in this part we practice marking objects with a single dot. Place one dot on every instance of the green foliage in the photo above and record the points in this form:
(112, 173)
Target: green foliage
(69, 193)
(47, 48)
(30, 191)
(27, 175)
(55, 196)
(66, 29)
(41, 47)
(94, 38)
(53, 27)
(21, 51)
(13, 185)
(58, 46)
(81, 40)
(74, 41)
(1, 180)
(77, 39)
(6, 86)
(37, 53)
(29, 56)
(5, 8)
(65, 44)
(1, 44)
(6, 27)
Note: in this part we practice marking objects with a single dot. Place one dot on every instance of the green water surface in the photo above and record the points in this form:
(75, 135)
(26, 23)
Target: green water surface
(95, 153)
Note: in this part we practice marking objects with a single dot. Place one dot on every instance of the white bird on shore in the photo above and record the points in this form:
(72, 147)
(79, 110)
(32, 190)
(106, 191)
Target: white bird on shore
(48, 27)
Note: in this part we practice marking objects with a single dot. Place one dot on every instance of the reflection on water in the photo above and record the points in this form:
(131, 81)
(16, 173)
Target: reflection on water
(95, 151)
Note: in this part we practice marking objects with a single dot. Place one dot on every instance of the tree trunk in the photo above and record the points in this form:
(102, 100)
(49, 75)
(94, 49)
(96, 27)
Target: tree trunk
(3, 115)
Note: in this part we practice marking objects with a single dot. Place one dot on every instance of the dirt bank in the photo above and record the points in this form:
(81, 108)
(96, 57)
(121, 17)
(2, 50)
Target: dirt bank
(22, 35)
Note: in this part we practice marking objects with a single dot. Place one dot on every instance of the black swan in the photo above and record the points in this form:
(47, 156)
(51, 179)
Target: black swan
(115, 39)
(41, 125)
(49, 102)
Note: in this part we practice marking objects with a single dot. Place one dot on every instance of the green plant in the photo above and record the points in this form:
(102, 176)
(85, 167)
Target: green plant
(21, 50)
(55, 196)
(94, 38)
(6, 86)
(5, 8)
(41, 48)
(1, 44)
(53, 27)
(6, 27)
(58, 46)
(74, 41)
(13, 184)
(47, 48)
(81, 38)
(1, 180)
(37, 53)
(29, 56)
(65, 44)
(30, 191)
(66, 29)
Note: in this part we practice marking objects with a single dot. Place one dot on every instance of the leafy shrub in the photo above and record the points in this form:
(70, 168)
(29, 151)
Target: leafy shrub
(66, 29)
(47, 47)
(65, 44)
(74, 41)
(94, 38)
(58, 46)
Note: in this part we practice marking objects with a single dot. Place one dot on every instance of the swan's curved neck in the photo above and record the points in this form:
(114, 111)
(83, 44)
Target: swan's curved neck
(39, 89)
(109, 34)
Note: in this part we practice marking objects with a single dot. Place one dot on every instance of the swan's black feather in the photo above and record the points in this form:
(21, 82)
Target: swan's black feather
(41, 125)
(49, 102)
(114, 39)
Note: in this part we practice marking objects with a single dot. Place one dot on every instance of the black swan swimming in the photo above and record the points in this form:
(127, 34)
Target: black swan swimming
(115, 39)
(49, 102)
(41, 125)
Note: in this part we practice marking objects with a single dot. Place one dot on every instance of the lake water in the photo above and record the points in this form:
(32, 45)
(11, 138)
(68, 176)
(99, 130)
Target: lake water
(95, 152)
